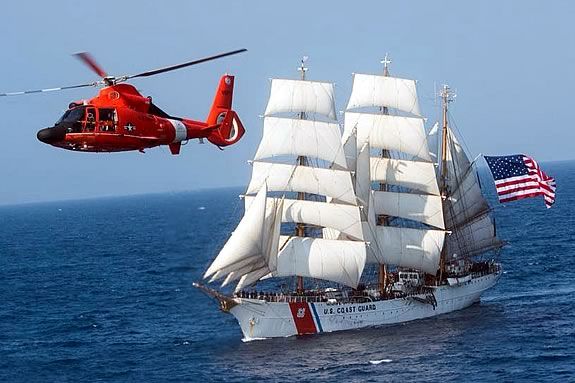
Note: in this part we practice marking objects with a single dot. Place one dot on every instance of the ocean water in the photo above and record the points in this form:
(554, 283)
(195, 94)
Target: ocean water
(101, 290)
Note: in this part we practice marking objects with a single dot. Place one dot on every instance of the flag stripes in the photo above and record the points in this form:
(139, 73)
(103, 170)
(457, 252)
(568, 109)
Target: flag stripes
(518, 176)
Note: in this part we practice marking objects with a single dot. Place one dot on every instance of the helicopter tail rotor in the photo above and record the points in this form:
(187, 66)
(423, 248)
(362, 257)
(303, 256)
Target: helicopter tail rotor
(228, 132)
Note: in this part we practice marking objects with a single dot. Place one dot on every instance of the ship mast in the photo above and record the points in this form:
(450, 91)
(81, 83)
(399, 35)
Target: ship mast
(301, 161)
(447, 96)
(383, 219)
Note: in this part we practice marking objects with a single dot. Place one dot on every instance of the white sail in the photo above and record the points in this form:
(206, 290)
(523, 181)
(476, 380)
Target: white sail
(247, 240)
(333, 260)
(251, 278)
(296, 137)
(434, 142)
(271, 238)
(417, 207)
(465, 200)
(344, 218)
(240, 272)
(383, 91)
(473, 238)
(415, 175)
(283, 177)
(362, 176)
(224, 271)
(418, 249)
(349, 143)
(301, 96)
(267, 258)
(394, 133)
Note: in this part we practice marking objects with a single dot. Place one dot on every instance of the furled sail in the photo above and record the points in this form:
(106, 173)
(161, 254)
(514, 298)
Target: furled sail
(301, 96)
(383, 91)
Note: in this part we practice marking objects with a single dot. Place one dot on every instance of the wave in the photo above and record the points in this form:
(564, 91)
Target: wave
(246, 340)
(380, 361)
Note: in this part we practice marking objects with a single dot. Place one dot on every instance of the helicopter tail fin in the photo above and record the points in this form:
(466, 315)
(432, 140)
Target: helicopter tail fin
(226, 125)
(222, 100)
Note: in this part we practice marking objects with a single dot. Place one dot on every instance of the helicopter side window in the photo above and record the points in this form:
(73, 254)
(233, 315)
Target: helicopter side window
(90, 119)
(107, 120)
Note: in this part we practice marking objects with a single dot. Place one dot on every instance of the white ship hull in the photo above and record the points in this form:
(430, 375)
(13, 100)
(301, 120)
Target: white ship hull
(262, 319)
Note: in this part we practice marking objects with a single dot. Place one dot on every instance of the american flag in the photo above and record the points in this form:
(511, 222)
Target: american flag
(518, 177)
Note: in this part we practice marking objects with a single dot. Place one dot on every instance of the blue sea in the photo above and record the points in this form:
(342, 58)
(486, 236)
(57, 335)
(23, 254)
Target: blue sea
(101, 290)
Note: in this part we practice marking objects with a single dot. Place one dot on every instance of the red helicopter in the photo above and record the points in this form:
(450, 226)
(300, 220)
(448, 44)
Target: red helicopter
(119, 118)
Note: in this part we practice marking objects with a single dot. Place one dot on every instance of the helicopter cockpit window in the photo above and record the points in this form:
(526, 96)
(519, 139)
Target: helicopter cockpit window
(107, 120)
(72, 119)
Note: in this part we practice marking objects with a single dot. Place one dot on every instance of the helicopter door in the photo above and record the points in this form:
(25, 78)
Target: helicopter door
(90, 122)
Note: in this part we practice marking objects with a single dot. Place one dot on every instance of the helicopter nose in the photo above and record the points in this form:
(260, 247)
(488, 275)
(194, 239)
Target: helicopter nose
(52, 135)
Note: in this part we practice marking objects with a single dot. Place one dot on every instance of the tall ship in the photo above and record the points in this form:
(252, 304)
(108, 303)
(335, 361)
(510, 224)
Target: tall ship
(385, 223)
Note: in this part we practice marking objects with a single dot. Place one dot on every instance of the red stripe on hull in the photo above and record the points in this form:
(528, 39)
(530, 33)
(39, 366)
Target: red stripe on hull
(302, 317)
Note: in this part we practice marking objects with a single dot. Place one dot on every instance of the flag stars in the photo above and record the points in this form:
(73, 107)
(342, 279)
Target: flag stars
(519, 176)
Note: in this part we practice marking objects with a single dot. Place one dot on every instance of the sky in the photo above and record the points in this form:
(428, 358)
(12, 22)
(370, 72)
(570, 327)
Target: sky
(510, 63)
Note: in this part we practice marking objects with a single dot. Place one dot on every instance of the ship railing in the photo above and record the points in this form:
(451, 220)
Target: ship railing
(325, 298)
(320, 298)
(279, 297)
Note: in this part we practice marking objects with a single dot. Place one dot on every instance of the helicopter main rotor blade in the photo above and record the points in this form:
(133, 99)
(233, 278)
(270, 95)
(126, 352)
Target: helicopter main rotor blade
(183, 65)
(87, 59)
(49, 89)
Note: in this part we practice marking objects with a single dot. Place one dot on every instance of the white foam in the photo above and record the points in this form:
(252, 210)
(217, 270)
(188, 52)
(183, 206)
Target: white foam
(245, 340)
(380, 361)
